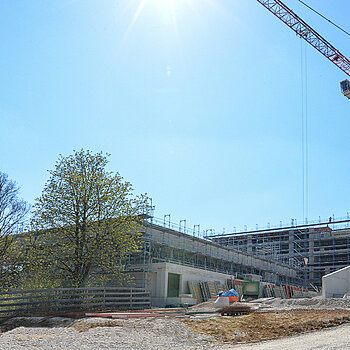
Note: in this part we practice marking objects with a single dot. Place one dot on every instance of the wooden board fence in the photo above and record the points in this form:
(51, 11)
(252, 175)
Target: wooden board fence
(40, 301)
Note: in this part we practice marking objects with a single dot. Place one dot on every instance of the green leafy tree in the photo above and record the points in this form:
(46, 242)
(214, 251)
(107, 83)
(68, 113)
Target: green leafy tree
(86, 222)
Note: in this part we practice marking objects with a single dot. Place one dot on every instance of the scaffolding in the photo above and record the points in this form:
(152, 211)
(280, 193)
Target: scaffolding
(163, 241)
(316, 248)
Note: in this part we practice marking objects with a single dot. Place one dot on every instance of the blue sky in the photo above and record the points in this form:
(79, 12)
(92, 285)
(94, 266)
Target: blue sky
(203, 114)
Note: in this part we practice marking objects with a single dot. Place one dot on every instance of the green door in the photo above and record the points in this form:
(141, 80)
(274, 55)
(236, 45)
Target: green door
(173, 285)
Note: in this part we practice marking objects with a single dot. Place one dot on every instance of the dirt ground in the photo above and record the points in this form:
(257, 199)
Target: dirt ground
(273, 321)
(261, 326)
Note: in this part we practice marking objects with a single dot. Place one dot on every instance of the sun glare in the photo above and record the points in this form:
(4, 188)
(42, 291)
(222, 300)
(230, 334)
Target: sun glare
(169, 13)
(166, 7)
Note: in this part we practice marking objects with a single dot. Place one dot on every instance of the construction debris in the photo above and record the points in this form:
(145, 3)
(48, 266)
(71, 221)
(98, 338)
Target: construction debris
(236, 310)
(204, 291)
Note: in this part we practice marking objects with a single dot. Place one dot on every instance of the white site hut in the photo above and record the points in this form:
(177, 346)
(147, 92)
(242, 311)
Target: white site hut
(336, 284)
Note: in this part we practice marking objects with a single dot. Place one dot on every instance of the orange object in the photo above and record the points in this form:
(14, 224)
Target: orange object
(230, 299)
(233, 299)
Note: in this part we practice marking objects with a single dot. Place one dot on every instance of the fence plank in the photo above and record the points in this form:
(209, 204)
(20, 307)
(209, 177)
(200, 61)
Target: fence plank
(117, 294)
(67, 289)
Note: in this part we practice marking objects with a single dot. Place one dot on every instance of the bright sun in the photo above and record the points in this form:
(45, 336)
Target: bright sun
(168, 6)
(165, 5)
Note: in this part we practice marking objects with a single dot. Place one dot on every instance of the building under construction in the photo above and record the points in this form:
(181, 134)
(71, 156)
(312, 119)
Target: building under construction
(316, 248)
(170, 260)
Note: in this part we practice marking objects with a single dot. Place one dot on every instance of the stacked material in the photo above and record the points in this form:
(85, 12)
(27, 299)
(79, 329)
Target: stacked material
(195, 290)
(284, 292)
(204, 291)
(212, 289)
(238, 286)
(268, 291)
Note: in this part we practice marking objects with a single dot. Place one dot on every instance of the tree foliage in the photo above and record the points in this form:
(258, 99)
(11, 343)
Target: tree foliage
(13, 211)
(86, 220)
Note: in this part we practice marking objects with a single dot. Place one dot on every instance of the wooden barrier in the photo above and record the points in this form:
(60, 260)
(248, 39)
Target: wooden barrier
(40, 301)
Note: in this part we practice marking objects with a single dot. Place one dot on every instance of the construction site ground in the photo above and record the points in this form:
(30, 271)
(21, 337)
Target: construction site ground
(261, 326)
(294, 324)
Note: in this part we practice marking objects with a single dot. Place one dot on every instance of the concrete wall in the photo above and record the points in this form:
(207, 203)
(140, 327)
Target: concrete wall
(158, 277)
(335, 284)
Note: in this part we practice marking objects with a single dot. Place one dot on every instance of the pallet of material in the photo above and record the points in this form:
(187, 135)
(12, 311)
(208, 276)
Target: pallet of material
(269, 291)
(238, 286)
(220, 287)
(211, 287)
(195, 290)
(205, 290)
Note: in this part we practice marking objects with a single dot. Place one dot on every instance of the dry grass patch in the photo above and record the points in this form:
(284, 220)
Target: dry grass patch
(83, 326)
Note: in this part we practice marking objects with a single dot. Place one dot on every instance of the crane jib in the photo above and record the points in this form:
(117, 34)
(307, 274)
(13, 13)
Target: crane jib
(302, 29)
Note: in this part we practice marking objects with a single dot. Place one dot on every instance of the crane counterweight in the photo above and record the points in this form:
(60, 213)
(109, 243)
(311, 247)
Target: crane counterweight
(345, 88)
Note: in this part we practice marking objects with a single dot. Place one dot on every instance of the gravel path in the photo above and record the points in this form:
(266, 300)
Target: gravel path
(337, 338)
(152, 334)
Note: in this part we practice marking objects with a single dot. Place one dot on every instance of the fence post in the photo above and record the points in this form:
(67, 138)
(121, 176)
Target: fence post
(56, 302)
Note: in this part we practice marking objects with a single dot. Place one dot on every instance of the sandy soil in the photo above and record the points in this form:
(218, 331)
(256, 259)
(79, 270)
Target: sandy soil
(261, 326)
(337, 338)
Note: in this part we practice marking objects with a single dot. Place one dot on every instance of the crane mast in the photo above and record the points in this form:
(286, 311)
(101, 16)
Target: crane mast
(302, 29)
